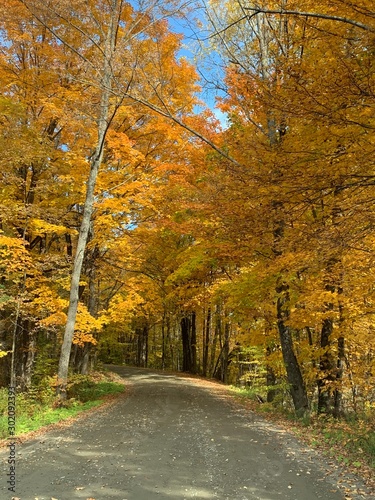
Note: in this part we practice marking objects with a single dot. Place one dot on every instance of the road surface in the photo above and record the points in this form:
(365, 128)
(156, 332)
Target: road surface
(168, 438)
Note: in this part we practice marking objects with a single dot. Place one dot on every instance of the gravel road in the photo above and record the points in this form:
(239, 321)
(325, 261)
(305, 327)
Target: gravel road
(169, 438)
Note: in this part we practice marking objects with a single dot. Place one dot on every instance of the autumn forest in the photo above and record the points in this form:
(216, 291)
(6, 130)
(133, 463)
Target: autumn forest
(190, 186)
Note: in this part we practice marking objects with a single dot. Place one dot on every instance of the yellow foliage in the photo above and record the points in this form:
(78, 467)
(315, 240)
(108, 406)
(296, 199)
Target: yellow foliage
(41, 227)
(123, 307)
(86, 324)
(55, 319)
(14, 257)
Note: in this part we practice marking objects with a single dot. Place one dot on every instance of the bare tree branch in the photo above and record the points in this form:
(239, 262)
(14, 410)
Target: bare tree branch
(54, 33)
(259, 10)
(182, 124)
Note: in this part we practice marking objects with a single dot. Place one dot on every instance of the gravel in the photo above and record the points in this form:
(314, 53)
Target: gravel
(173, 438)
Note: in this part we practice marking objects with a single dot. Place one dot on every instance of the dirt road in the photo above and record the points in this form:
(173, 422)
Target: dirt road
(168, 438)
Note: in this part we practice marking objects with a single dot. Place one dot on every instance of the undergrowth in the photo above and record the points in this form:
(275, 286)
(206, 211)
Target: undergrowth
(351, 439)
(38, 407)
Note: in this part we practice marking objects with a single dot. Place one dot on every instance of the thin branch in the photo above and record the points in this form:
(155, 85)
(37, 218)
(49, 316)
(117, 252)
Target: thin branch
(184, 125)
(223, 30)
(357, 24)
(58, 37)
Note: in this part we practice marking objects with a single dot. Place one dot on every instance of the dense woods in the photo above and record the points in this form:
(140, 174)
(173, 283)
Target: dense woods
(137, 228)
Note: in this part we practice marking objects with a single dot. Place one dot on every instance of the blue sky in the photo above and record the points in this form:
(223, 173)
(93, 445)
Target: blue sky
(209, 65)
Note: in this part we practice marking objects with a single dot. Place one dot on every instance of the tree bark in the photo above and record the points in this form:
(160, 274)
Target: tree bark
(331, 364)
(189, 341)
(96, 162)
(142, 346)
(163, 341)
(337, 410)
(193, 343)
(225, 353)
(327, 367)
(186, 344)
(217, 335)
(270, 378)
(30, 359)
(294, 375)
(206, 341)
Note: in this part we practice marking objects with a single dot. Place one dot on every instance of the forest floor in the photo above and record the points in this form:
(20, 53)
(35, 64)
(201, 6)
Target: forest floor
(171, 437)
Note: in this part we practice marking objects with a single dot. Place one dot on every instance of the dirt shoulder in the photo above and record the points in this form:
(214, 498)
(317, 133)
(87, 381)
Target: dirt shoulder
(354, 482)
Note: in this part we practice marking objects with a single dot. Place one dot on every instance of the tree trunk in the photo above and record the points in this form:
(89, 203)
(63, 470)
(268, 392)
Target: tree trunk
(327, 367)
(69, 245)
(331, 365)
(30, 358)
(170, 342)
(163, 341)
(270, 378)
(217, 335)
(96, 162)
(337, 410)
(14, 346)
(92, 306)
(186, 344)
(22, 364)
(142, 346)
(225, 353)
(206, 341)
(294, 374)
(85, 364)
(221, 368)
(193, 343)
(189, 343)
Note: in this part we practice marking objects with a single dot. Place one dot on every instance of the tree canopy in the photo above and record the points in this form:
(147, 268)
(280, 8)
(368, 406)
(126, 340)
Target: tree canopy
(137, 228)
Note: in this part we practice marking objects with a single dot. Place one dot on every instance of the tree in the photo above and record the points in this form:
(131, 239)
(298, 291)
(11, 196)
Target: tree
(91, 59)
(33, 169)
(290, 125)
(243, 253)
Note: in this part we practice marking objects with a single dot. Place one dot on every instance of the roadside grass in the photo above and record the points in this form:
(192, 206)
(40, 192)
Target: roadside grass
(38, 407)
(350, 440)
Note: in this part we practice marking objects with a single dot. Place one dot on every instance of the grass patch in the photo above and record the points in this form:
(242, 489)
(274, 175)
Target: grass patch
(37, 408)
